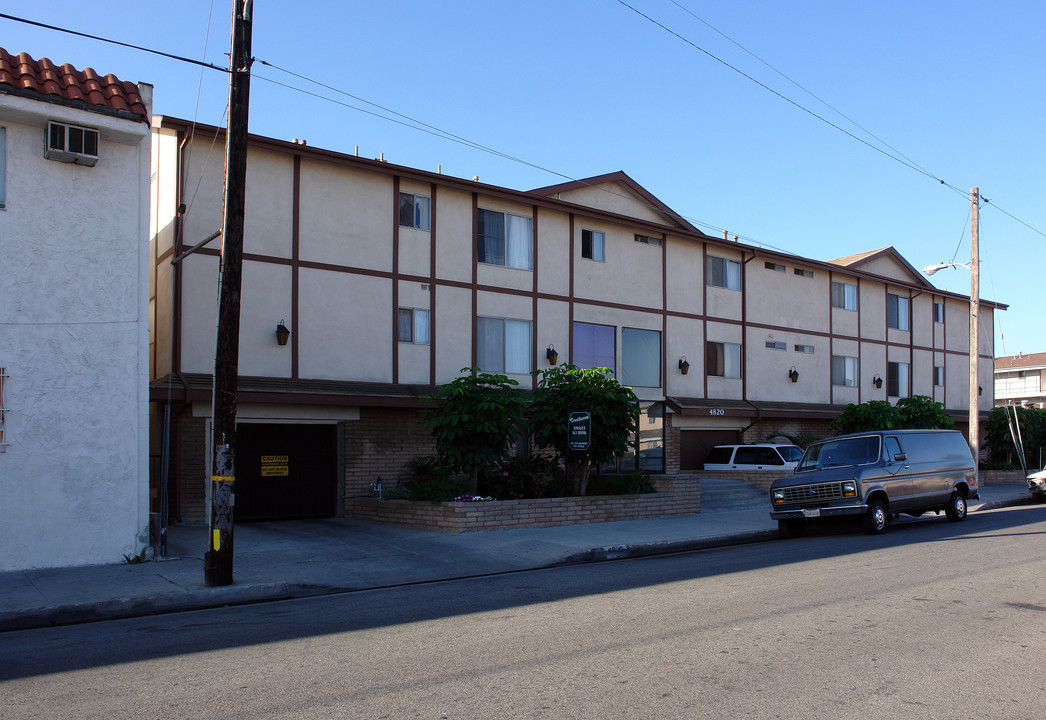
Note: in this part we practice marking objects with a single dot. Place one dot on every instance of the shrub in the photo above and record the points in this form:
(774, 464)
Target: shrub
(633, 483)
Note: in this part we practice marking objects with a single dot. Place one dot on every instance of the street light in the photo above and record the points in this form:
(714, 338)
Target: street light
(974, 267)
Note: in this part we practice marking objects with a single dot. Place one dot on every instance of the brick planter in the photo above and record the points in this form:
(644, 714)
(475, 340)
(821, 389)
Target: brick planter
(675, 496)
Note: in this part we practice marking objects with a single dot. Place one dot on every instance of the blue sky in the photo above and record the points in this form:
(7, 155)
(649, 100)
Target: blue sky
(585, 87)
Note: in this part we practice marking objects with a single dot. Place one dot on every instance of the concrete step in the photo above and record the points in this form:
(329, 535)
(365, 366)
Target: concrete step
(720, 494)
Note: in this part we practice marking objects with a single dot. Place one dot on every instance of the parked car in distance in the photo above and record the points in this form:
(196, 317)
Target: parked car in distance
(1037, 484)
(875, 475)
(757, 456)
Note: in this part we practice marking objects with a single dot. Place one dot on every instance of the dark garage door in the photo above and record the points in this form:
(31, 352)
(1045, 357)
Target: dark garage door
(286, 471)
(694, 445)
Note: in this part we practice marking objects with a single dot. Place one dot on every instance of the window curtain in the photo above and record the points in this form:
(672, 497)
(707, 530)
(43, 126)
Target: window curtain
(731, 360)
(404, 325)
(421, 327)
(491, 240)
(421, 212)
(733, 275)
(517, 346)
(490, 344)
(519, 241)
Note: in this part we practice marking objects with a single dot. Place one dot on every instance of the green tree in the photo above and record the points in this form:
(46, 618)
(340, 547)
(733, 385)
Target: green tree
(872, 415)
(998, 440)
(475, 421)
(564, 389)
(922, 412)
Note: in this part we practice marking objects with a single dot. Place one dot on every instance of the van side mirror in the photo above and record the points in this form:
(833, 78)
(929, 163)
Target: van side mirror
(900, 457)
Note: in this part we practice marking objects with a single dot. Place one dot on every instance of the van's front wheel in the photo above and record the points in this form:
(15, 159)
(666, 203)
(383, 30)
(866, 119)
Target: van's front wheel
(956, 509)
(876, 519)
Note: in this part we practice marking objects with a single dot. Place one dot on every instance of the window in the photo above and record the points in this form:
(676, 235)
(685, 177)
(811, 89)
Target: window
(646, 449)
(648, 239)
(938, 312)
(640, 357)
(776, 345)
(414, 211)
(803, 273)
(412, 326)
(593, 245)
(72, 144)
(723, 273)
(593, 346)
(723, 359)
(3, 167)
(938, 376)
(844, 295)
(844, 371)
(776, 267)
(897, 379)
(808, 349)
(896, 312)
(504, 239)
(503, 345)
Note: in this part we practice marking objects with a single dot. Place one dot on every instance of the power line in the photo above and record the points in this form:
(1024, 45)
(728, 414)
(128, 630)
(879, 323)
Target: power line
(113, 42)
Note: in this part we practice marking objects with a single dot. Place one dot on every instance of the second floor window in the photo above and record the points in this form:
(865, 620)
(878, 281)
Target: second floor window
(844, 295)
(723, 273)
(594, 345)
(593, 245)
(640, 357)
(504, 239)
(896, 312)
(414, 211)
(844, 371)
(938, 312)
(503, 345)
(897, 379)
(723, 359)
(412, 326)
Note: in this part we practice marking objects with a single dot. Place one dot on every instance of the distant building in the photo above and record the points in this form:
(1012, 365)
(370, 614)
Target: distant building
(390, 280)
(1021, 380)
(74, 279)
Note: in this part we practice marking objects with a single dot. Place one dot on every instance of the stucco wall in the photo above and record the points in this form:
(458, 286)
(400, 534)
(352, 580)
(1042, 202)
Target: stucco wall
(74, 343)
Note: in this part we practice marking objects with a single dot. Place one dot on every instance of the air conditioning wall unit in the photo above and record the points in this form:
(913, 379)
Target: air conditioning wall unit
(72, 144)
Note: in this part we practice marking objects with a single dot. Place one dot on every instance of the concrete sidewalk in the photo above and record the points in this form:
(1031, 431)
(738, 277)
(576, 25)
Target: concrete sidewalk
(299, 558)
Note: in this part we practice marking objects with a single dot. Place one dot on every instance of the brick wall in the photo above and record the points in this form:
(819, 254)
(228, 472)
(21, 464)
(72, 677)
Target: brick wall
(763, 430)
(679, 495)
(191, 492)
(379, 445)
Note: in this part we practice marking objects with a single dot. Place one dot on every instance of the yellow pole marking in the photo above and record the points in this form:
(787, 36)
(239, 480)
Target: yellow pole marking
(217, 540)
(223, 478)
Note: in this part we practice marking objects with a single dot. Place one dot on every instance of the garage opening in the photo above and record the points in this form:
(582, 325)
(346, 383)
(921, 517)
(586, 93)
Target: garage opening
(286, 471)
(694, 445)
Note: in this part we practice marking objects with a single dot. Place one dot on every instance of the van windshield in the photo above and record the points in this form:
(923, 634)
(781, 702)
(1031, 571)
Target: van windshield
(835, 453)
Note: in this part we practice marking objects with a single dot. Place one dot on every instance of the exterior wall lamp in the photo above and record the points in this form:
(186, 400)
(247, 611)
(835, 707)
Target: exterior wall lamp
(551, 355)
(877, 381)
(282, 334)
(793, 374)
(684, 366)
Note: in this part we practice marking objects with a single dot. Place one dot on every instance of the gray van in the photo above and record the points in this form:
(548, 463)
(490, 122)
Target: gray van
(875, 475)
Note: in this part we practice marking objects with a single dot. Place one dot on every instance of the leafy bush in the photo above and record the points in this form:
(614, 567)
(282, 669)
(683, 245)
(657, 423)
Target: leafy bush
(523, 476)
(916, 412)
(998, 441)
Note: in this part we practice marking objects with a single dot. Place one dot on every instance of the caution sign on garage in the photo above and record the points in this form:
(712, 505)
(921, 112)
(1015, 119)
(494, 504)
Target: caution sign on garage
(275, 465)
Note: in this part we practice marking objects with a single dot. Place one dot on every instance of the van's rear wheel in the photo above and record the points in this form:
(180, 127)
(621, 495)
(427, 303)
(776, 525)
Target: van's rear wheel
(956, 509)
(876, 519)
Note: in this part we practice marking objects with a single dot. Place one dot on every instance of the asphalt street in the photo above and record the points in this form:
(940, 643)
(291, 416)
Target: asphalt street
(935, 619)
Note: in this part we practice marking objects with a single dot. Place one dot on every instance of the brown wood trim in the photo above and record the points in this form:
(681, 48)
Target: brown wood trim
(295, 264)
(475, 277)
(432, 285)
(395, 277)
(534, 302)
(570, 293)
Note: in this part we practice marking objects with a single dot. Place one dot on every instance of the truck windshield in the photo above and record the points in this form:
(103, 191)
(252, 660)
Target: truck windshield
(834, 453)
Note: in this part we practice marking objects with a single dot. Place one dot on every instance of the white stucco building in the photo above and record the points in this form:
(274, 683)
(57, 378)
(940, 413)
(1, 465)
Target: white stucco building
(74, 182)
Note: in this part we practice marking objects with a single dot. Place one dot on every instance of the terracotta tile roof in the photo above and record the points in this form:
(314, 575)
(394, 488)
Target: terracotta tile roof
(22, 75)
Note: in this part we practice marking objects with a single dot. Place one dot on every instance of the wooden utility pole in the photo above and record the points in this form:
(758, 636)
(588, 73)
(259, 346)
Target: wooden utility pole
(975, 304)
(217, 561)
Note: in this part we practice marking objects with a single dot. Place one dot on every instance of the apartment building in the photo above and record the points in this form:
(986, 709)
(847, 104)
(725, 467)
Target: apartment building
(1021, 380)
(367, 284)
